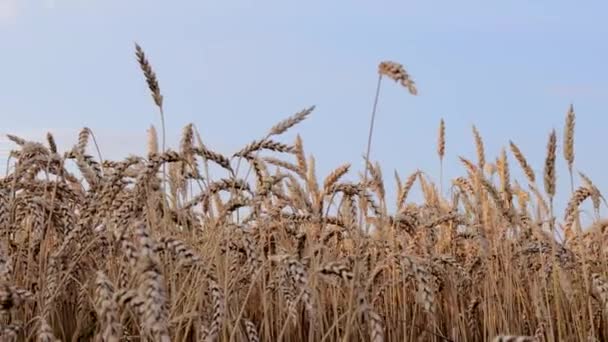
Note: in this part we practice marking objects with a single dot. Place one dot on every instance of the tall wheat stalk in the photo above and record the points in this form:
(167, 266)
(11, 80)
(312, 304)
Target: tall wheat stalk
(569, 143)
(441, 151)
(396, 72)
(152, 81)
(549, 174)
(369, 146)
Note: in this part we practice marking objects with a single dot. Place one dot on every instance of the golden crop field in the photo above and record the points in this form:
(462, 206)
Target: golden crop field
(158, 248)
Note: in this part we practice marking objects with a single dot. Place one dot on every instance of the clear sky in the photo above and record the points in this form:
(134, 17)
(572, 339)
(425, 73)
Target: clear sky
(234, 68)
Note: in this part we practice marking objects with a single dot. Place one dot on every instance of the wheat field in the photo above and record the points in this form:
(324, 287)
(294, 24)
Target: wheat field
(159, 248)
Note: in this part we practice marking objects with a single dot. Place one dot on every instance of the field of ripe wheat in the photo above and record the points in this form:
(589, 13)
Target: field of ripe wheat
(158, 248)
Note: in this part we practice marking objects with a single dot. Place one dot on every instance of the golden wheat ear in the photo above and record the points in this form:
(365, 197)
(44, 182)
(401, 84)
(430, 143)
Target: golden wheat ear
(549, 173)
(569, 142)
(149, 74)
(481, 155)
(397, 73)
(523, 162)
(441, 151)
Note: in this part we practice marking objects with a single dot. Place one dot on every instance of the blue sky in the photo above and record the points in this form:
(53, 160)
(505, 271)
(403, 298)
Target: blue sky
(234, 68)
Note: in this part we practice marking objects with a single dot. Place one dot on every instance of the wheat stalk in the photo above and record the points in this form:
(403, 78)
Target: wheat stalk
(523, 162)
(396, 72)
(481, 156)
(550, 177)
(441, 150)
(569, 143)
(152, 82)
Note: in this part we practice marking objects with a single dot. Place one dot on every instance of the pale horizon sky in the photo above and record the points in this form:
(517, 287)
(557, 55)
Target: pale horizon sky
(235, 68)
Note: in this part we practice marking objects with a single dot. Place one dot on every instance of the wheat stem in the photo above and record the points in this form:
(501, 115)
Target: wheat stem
(369, 147)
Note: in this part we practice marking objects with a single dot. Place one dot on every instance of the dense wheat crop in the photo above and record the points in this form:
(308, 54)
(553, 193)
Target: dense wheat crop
(158, 248)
